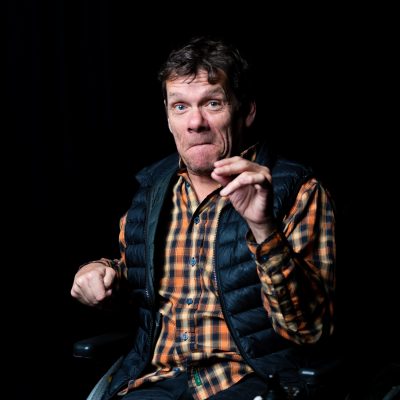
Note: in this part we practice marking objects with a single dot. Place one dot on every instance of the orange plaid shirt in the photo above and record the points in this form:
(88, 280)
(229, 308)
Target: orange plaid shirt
(194, 331)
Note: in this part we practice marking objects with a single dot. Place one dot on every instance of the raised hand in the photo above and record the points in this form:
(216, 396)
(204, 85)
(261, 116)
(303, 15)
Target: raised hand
(248, 186)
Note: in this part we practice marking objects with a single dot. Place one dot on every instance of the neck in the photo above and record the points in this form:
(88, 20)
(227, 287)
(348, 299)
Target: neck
(203, 185)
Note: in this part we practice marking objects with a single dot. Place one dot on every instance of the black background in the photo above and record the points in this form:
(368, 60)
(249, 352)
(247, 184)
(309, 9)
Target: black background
(82, 94)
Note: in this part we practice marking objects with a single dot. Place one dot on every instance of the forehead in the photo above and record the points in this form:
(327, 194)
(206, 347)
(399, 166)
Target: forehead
(190, 83)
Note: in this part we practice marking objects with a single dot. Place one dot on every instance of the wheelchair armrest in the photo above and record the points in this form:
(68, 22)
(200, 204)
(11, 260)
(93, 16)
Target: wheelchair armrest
(319, 374)
(104, 346)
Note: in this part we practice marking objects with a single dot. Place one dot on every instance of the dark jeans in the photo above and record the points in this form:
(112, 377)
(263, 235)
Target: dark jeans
(169, 389)
(177, 389)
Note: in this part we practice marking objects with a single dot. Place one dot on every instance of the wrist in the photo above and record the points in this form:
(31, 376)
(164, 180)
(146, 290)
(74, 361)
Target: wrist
(263, 231)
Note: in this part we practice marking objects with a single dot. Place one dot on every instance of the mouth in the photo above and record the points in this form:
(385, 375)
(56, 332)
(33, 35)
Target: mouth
(200, 144)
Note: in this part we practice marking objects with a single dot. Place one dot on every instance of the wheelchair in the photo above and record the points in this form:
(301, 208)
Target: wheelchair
(328, 380)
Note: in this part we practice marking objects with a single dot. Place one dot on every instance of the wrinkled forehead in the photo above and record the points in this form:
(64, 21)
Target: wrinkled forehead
(202, 78)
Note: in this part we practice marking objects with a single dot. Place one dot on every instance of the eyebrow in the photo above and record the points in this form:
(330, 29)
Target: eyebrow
(209, 93)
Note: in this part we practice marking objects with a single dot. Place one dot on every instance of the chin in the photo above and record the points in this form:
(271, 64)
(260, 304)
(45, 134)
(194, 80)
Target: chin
(201, 169)
(201, 161)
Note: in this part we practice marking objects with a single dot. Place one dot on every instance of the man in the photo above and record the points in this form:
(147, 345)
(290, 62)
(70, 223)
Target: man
(227, 252)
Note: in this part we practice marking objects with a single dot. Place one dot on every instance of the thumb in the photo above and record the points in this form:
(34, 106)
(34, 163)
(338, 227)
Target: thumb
(221, 179)
(109, 276)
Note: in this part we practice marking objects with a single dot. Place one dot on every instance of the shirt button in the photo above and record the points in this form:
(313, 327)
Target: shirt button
(189, 301)
(185, 336)
(196, 220)
(193, 261)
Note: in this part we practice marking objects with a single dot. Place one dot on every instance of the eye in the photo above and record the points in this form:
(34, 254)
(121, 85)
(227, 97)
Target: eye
(214, 104)
(179, 107)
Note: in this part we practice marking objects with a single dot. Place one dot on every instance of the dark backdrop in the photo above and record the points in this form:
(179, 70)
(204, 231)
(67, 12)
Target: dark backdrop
(84, 112)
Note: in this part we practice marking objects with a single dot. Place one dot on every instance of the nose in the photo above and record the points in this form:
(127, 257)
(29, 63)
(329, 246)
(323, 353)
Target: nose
(197, 121)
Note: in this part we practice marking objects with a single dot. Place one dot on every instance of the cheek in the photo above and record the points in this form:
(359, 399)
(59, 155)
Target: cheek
(172, 127)
(176, 124)
(176, 133)
(225, 125)
(225, 132)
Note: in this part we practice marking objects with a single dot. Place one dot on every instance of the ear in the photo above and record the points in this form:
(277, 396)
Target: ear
(251, 114)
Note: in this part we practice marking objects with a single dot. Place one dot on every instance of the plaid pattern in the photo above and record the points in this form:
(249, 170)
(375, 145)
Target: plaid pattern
(298, 291)
(194, 335)
(193, 330)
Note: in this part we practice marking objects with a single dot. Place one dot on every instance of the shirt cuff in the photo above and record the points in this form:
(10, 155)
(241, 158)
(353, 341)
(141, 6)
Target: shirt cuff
(271, 246)
(114, 264)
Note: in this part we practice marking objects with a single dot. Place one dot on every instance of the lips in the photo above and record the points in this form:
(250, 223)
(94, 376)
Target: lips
(199, 144)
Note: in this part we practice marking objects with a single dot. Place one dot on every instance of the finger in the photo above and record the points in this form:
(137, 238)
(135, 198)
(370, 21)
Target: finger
(109, 277)
(245, 179)
(89, 287)
(221, 179)
(227, 170)
(80, 294)
(234, 166)
(97, 288)
(227, 161)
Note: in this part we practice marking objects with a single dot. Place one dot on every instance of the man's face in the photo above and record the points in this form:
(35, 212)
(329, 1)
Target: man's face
(202, 121)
